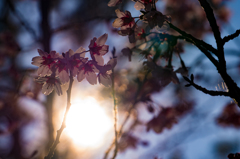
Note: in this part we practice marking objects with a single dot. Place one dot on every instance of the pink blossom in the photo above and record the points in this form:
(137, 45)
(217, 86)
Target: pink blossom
(104, 76)
(50, 83)
(45, 61)
(124, 20)
(113, 3)
(70, 61)
(143, 4)
(89, 71)
(98, 49)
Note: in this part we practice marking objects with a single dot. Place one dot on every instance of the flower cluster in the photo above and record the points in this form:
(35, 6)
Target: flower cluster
(55, 69)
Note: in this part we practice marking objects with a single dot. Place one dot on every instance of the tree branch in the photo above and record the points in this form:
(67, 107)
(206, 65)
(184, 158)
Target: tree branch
(193, 40)
(204, 90)
(211, 19)
(231, 37)
(59, 132)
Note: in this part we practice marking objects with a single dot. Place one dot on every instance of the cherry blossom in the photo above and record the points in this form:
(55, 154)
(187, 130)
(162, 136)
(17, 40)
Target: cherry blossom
(89, 71)
(70, 61)
(45, 61)
(155, 18)
(113, 3)
(98, 49)
(104, 76)
(49, 84)
(143, 4)
(124, 20)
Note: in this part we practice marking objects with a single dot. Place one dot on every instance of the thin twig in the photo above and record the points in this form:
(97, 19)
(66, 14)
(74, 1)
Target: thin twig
(204, 90)
(120, 131)
(115, 117)
(231, 37)
(192, 38)
(59, 132)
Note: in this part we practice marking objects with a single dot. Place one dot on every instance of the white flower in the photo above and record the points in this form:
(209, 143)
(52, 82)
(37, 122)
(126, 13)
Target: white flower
(49, 84)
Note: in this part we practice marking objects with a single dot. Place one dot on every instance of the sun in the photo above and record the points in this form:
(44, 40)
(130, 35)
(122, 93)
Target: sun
(87, 123)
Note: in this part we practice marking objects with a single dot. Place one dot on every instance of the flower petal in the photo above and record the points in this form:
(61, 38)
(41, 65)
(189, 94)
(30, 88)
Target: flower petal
(117, 23)
(102, 39)
(139, 6)
(91, 78)
(71, 52)
(99, 60)
(47, 88)
(119, 13)
(80, 75)
(81, 50)
(105, 79)
(113, 3)
(103, 50)
(37, 61)
(58, 89)
(42, 53)
(63, 76)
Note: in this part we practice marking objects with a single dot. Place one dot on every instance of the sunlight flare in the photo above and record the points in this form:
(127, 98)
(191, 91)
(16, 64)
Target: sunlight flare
(87, 123)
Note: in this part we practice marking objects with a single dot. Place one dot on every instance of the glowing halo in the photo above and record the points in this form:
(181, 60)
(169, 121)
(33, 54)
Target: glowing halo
(87, 122)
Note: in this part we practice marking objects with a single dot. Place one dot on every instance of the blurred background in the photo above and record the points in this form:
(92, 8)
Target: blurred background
(171, 122)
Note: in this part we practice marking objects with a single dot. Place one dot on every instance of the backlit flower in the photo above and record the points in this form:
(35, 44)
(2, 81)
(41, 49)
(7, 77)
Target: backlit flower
(98, 49)
(89, 71)
(124, 20)
(143, 4)
(104, 76)
(70, 61)
(49, 84)
(113, 3)
(155, 18)
(45, 61)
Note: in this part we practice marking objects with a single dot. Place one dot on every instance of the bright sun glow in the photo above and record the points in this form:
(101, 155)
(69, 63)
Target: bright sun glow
(87, 122)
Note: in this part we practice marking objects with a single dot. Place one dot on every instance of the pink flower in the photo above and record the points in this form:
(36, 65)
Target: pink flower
(143, 4)
(70, 61)
(104, 76)
(124, 20)
(50, 83)
(45, 61)
(98, 49)
(113, 3)
(89, 71)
